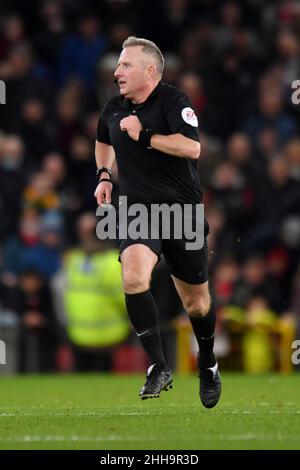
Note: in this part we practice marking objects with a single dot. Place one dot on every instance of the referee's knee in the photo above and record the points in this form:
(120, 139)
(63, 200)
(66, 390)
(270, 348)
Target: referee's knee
(134, 284)
(198, 307)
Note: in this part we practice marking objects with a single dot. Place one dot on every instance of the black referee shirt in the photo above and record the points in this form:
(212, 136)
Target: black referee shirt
(148, 175)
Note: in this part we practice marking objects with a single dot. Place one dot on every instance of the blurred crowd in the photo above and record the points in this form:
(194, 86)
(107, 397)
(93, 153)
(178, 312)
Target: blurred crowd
(236, 61)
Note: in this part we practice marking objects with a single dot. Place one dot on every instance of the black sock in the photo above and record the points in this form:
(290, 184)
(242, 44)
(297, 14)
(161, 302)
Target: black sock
(204, 329)
(143, 315)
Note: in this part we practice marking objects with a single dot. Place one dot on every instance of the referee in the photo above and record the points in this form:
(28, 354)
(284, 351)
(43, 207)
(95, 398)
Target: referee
(152, 131)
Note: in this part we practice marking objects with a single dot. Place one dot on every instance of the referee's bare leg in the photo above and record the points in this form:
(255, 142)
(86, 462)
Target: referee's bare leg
(138, 262)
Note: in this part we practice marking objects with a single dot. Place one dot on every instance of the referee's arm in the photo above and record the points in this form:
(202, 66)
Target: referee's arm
(104, 151)
(177, 145)
(105, 157)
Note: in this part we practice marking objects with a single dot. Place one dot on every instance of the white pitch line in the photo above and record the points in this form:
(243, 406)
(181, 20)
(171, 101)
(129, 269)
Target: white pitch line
(254, 437)
(117, 438)
(72, 438)
(106, 414)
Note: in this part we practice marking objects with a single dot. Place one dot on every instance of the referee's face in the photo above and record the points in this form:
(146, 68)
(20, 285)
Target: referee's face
(132, 72)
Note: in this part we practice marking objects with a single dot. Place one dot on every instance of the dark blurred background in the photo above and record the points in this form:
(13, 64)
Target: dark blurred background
(61, 302)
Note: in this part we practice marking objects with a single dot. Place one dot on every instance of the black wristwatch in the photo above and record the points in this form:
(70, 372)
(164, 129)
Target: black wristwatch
(103, 170)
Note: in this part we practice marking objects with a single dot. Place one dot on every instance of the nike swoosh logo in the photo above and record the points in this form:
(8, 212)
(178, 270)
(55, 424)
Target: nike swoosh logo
(116, 114)
(214, 369)
(149, 370)
(143, 333)
(209, 337)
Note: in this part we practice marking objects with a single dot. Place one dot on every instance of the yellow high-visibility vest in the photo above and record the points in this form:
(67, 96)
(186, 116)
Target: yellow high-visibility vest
(94, 301)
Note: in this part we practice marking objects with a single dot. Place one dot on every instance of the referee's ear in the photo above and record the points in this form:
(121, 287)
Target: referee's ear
(152, 71)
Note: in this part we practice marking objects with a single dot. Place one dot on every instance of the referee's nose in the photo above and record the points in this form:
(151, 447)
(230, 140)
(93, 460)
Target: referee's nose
(117, 73)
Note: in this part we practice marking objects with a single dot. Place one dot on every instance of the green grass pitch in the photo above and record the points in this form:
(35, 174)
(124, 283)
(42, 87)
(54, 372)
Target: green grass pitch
(104, 412)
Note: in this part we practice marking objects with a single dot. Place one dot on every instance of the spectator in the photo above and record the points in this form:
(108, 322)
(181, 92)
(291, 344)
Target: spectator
(24, 77)
(90, 301)
(255, 281)
(39, 333)
(37, 245)
(12, 181)
(68, 121)
(80, 52)
(13, 33)
(271, 113)
(36, 132)
(52, 31)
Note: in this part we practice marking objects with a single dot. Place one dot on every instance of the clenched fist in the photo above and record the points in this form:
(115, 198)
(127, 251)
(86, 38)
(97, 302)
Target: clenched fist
(132, 126)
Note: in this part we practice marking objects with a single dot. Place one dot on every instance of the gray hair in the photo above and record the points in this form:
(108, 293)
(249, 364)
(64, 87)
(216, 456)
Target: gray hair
(149, 48)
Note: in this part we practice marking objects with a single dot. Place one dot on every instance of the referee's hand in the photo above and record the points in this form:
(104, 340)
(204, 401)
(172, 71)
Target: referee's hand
(103, 193)
(131, 124)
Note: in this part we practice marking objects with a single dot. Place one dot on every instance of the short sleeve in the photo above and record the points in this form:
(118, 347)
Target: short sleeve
(102, 129)
(180, 116)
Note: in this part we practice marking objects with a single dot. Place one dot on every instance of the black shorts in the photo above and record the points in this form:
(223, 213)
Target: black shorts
(190, 266)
